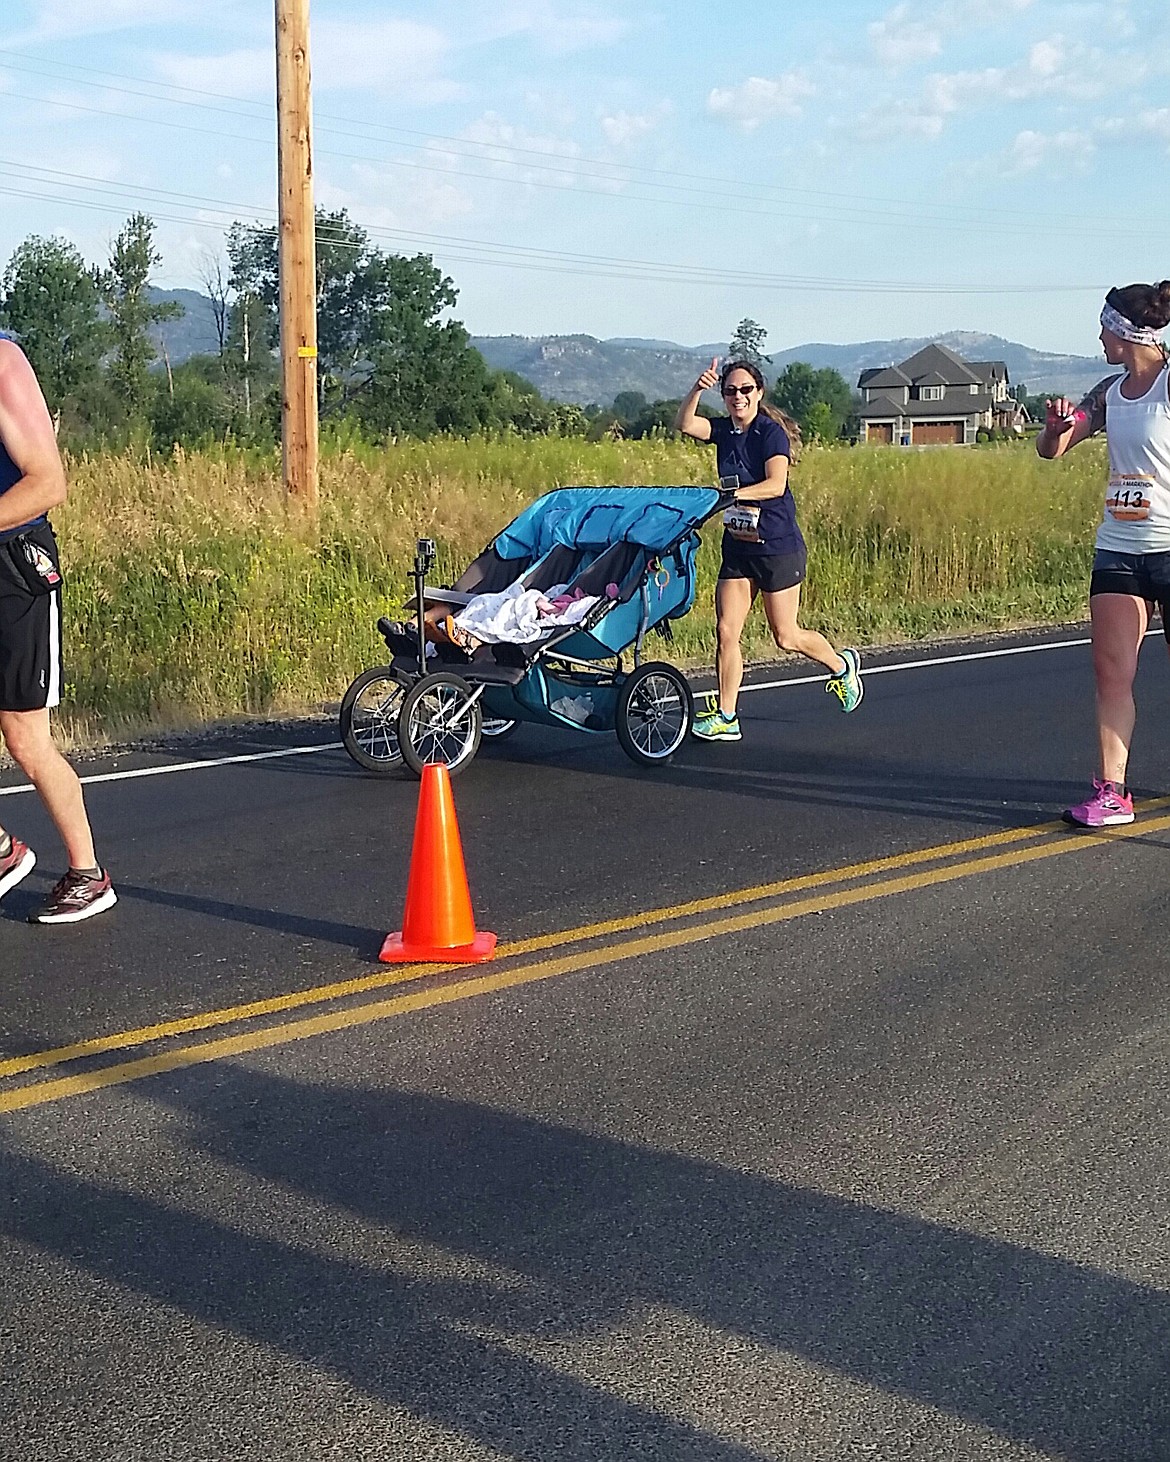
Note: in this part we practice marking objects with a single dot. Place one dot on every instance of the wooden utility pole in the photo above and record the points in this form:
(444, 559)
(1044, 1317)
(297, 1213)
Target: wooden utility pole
(298, 254)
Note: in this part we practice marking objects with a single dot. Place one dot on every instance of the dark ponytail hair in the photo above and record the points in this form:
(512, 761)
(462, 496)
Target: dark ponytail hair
(1146, 305)
(781, 418)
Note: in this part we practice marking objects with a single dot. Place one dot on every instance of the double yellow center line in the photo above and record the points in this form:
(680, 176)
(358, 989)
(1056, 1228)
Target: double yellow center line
(600, 944)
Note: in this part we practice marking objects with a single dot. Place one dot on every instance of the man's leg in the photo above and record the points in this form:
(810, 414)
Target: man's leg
(30, 743)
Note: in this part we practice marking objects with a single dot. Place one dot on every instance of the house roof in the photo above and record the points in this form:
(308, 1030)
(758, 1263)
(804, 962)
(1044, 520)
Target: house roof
(885, 377)
(938, 360)
(935, 365)
(989, 370)
(883, 408)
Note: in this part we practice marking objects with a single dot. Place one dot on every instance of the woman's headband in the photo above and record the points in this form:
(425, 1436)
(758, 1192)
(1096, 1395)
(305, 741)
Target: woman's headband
(1116, 322)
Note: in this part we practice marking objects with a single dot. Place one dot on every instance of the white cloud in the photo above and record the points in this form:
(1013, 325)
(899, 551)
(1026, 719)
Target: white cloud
(386, 198)
(1150, 122)
(1071, 150)
(398, 59)
(243, 73)
(56, 20)
(898, 39)
(913, 32)
(556, 29)
(759, 99)
(1052, 69)
(623, 128)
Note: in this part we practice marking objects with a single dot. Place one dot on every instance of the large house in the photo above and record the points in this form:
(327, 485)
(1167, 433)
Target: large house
(936, 397)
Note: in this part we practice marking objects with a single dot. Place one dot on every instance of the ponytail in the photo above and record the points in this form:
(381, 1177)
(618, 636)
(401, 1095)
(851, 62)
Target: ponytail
(781, 418)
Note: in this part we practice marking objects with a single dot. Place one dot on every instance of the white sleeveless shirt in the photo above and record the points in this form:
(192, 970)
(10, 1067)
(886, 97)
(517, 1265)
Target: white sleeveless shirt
(1137, 503)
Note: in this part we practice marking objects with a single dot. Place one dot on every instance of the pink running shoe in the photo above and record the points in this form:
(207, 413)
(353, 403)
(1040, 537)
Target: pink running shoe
(18, 863)
(1108, 806)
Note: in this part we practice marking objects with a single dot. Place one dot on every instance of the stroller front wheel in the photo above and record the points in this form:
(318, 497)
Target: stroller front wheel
(653, 713)
(440, 721)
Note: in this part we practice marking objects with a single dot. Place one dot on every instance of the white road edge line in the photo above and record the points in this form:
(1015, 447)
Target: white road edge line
(191, 766)
(227, 761)
(868, 670)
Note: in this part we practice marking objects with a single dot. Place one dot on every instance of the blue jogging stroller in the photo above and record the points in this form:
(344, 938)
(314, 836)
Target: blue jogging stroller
(631, 549)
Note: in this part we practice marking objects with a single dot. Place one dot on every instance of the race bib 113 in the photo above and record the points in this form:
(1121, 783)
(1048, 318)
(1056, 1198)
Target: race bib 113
(1129, 496)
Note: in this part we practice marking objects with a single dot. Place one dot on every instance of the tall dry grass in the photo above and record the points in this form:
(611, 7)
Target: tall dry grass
(192, 595)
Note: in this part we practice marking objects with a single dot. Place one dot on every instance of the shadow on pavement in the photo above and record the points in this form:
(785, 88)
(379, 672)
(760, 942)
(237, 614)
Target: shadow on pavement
(1038, 1349)
(364, 942)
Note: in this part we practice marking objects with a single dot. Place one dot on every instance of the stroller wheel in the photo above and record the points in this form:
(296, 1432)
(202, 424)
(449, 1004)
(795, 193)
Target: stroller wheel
(653, 713)
(369, 720)
(440, 721)
(496, 728)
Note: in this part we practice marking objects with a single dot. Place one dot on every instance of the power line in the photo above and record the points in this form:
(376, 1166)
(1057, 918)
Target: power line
(18, 61)
(852, 207)
(478, 251)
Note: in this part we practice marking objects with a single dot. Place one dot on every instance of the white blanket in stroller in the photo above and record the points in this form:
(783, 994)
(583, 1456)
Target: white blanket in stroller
(520, 616)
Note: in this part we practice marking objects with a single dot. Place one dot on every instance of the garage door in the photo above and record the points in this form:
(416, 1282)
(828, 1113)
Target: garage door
(929, 433)
(880, 431)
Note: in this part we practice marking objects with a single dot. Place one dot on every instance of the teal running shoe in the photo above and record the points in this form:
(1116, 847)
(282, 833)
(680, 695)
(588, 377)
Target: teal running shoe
(715, 726)
(846, 684)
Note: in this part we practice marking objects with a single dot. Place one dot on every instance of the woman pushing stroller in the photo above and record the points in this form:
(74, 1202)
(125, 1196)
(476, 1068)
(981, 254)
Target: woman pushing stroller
(763, 549)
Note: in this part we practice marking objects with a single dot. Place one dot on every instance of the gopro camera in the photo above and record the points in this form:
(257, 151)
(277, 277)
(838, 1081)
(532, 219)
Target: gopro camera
(425, 553)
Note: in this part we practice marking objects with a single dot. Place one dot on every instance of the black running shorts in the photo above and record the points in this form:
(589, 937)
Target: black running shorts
(1144, 575)
(770, 572)
(30, 621)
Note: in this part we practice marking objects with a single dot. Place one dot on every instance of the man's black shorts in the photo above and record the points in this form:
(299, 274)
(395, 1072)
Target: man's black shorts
(770, 572)
(30, 621)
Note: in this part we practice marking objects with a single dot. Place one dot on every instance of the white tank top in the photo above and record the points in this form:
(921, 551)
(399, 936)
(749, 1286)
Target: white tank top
(1137, 502)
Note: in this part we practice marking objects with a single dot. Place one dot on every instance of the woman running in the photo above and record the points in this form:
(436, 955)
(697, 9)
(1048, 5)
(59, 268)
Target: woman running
(763, 549)
(1131, 567)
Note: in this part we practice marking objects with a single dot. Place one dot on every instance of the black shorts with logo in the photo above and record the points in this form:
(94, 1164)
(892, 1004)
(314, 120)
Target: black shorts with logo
(769, 572)
(30, 621)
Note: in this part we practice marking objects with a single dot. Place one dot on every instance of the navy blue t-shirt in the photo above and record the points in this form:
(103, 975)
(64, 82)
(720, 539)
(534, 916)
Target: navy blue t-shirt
(743, 455)
(10, 475)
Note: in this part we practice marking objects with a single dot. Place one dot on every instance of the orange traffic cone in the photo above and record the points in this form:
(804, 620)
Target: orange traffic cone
(438, 925)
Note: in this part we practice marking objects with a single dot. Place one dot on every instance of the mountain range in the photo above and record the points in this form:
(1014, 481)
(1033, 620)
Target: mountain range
(582, 369)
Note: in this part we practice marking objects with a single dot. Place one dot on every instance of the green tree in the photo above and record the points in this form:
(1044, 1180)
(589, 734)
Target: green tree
(193, 409)
(655, 419)
(385, 353)
(249, 356)
(52, 303)
(629, 405)
(817, 425)
(801, 387)
(126, 293)
(748, 343)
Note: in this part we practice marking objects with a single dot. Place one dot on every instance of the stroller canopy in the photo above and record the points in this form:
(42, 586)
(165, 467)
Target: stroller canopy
(653, 518)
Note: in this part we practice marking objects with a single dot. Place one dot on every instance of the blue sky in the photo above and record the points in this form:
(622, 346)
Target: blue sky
(846, 171)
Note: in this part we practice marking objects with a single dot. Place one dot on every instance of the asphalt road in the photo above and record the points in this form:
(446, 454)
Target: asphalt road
(816, 1106)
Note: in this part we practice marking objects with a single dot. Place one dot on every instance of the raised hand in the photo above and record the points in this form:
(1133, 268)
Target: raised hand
(1062, 414)
(710, 377)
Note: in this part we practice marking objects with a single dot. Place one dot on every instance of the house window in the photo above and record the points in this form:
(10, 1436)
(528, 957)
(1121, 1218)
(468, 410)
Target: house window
(930, 393)
(974, 389)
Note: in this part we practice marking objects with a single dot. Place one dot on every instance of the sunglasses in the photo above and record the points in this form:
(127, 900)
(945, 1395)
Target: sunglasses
(738, 390)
